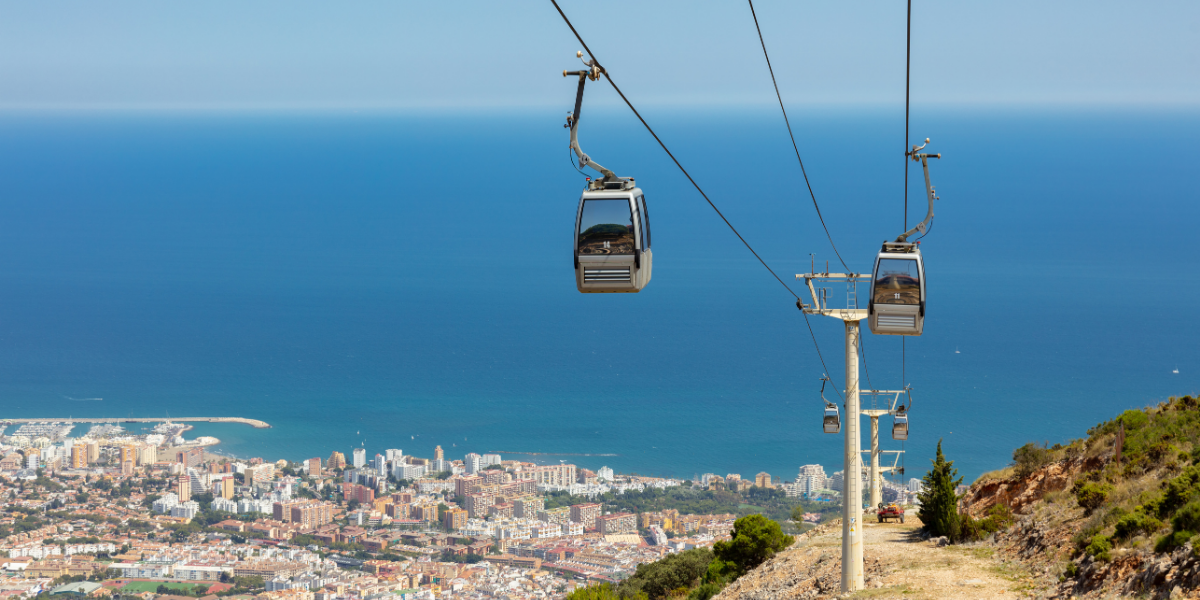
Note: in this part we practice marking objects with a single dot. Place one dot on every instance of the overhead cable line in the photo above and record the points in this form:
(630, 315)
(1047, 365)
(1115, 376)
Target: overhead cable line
(795, 147)
(907, 94)
(793, 137)
(689, 177)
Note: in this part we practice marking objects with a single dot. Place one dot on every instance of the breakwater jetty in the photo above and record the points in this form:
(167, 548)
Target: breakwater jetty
(255, 423)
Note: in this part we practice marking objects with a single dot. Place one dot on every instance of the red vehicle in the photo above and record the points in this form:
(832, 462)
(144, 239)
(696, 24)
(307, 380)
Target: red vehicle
(890, 511)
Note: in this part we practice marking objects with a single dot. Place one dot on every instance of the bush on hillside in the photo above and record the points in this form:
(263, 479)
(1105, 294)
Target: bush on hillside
(1091, 495)
(755, 540)
(939, 503)
(657, 580)
(1099, 547)
(999, 518)
(1029, 458)
(1136, 522)
(603, 591)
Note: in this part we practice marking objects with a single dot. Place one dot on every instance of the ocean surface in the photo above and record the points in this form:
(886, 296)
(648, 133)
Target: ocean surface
(405, 280)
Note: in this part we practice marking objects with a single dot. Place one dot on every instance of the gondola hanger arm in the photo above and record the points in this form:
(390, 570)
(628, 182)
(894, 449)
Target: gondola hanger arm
(923, 158)
(593, 72)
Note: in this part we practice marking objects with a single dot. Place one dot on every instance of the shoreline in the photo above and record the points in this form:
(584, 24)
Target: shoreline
(255, 423)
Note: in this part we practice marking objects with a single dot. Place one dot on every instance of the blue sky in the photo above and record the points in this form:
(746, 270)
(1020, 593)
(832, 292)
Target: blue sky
(271, 54)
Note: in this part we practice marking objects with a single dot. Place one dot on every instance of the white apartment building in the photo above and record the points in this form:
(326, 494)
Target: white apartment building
(360, 458)
(224, 505)
(474, 463)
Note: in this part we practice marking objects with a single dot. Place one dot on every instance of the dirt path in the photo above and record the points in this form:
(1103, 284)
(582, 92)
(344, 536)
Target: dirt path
(898, 565)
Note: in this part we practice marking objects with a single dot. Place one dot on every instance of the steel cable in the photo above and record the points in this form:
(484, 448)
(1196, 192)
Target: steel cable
(689, 178)
(796, 148)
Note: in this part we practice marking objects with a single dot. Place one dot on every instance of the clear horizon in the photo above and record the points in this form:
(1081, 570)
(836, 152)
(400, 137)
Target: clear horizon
(375, 55)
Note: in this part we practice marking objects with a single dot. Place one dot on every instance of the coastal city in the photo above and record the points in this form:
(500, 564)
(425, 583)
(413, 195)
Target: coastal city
(114, 512)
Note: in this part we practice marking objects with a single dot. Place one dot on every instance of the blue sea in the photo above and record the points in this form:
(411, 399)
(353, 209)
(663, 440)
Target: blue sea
(405, 280)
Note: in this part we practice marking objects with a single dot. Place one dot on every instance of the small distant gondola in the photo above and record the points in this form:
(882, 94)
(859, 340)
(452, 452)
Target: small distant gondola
(832, 423)
(900, 424)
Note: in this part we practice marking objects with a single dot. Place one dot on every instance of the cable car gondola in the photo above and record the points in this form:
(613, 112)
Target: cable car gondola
(900, 425)
(612, 224)
(832, 423)
(897, 300)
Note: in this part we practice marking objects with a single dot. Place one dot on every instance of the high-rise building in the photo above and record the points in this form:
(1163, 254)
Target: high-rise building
(605, 474)
(454, 519)
(224, 488)
(189, 458)
(763, 480)
(812, 470)
(468, 484)
(360, 458)
(473, 462)
(585, 514)
(617, 523)
(437, 454)
(337, 460)
(560, 516)
(78, 457)
(183, 487)
(260, 473)
(128, 453)
(380, 465)
(490, 459)
(147, 455)
(361, 493)
(562, 475)
(394, 455)
(528, 507)
(477, 504)
(314, 467)
(93, 450)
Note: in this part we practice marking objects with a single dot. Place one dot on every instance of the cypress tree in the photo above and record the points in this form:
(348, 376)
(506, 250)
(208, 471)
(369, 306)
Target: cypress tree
(939, 503)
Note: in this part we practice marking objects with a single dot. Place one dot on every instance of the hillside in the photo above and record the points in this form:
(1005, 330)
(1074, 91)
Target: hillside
(1113, 515)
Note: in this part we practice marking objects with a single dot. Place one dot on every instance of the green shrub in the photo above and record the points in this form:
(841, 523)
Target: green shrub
(1172, 541)
(603, 591)
(658, 579)
(755, 539)
(1091, 495)
(1136, 522)
(999, 518)
(1071, 571)
(1030, 458)
(1134, 419)
(704, 591)
(1100, 547)
(1188, 517)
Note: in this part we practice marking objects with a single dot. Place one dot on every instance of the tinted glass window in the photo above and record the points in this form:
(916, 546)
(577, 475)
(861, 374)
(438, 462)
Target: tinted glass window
(606, 227)
(897, 281)
(645, 223)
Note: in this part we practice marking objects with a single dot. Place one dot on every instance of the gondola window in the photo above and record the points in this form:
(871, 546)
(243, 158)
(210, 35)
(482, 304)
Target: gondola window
(606, 227)
(898, 281)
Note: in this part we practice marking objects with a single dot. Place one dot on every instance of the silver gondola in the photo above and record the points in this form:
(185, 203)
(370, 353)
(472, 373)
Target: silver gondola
(900, 425)
(612, 224)
(832, 423)
(897, 300)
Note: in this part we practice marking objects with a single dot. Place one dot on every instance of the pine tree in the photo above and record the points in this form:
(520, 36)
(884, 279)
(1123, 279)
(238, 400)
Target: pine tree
(939, 503)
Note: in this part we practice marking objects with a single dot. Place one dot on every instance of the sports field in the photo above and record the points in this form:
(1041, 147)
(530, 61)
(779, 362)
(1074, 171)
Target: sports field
(150, 586)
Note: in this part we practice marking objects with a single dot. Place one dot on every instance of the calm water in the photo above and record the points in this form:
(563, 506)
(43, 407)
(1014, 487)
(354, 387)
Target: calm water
(406, 281)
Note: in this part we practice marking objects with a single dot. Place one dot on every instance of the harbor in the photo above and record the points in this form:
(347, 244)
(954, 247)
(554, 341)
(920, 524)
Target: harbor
(255, 423)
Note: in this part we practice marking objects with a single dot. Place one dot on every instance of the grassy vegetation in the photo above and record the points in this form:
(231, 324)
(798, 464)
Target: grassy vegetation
(1140, 482)
(137, 587)
(697, 574)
